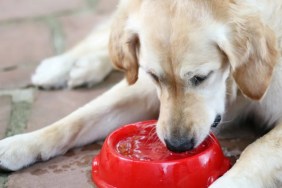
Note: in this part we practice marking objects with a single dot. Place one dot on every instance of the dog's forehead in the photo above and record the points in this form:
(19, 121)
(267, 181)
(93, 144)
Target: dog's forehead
(177, 49)
(175, 35)
(196, 11)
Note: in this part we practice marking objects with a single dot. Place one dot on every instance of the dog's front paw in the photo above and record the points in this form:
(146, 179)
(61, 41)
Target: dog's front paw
(223, 183)
(233, 182)
(89, 70)
(64, 70)
(19, 151)
(53, 72)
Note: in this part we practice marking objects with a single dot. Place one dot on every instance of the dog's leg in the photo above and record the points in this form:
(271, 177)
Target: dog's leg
(121, 105)
(87, 63)
(259, 165)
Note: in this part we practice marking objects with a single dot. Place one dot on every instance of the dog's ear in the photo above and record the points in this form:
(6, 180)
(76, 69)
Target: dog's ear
(251, 49)
(124, 48)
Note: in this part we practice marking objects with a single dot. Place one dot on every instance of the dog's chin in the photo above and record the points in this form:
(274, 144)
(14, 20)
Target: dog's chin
(201, 138)
(160, 134)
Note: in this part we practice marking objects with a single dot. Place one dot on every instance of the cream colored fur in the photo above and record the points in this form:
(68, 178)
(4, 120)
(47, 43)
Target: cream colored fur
(239, 42)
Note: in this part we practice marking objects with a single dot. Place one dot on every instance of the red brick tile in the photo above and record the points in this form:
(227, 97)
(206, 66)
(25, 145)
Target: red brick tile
(50, 106)
(22, 47)
(77, 27)
(106, 6)
(25, 43)
(5, 112)
(17, 9)
(72, 170)
(17, 78)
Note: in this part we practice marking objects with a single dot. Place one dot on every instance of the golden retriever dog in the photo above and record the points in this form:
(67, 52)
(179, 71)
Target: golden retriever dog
(186, 61)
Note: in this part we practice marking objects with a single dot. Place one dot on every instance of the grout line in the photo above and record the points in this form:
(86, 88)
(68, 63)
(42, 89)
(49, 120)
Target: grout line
(92, 3)
(19, 118)
(21, 109)
(57, 33)
(19, 95)
(4, 179)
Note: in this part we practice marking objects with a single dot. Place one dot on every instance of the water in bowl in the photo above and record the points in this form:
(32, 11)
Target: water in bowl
(144, 145)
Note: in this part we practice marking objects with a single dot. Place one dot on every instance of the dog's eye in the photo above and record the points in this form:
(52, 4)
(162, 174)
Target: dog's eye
(198, 79)
(155, 78)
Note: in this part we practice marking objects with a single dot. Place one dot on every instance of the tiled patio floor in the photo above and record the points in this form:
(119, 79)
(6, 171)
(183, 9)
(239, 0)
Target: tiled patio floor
(30, 31)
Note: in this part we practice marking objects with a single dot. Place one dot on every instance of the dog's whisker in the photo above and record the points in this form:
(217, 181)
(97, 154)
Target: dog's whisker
(227, 121)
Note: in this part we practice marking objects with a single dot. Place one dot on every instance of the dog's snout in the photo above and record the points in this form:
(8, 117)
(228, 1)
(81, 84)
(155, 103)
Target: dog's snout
(216, 121)
(182, 145)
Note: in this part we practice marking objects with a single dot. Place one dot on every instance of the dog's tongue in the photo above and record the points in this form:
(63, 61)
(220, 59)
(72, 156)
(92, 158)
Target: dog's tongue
(144, 145)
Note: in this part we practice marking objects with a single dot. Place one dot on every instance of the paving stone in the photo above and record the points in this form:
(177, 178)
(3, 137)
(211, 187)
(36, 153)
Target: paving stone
(5, 112)
(106, 6)
(17, 78)
(234, 139)
(24, 44)
(19, 95)
(3, 179)
(232, 148)
(18, 9)
(20, 114)
(233, 131)
(77, 27)
(72, 170)
(22, 47)
(50, 106)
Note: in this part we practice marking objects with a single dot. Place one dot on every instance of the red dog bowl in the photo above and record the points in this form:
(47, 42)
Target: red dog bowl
(134, 157)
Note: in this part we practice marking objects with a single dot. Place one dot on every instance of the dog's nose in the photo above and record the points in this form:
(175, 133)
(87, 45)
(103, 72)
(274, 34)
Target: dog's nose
(216, 121)
(181, 145)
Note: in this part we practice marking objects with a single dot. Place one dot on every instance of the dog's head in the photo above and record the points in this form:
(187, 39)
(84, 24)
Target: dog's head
(191, 50)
